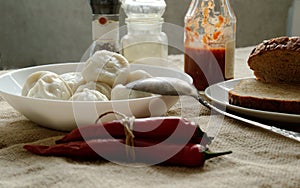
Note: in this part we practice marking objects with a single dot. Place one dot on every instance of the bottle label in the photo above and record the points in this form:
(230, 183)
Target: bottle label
(229, 59)
(105, 32)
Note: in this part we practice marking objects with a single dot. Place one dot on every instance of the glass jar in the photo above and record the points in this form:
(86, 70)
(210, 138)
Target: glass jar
(144, 43)
(209, 42)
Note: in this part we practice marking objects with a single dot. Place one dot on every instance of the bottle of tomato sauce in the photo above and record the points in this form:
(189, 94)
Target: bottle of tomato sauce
(209, 42)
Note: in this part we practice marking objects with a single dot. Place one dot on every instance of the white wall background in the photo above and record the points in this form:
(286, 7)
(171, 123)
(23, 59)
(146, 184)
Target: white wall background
(34, 32)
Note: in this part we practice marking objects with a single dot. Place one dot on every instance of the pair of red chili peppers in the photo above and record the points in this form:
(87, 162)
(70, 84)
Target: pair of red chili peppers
(159, 140)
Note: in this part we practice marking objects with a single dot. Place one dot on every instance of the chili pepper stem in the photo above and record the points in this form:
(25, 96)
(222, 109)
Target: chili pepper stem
(208, 155)
(203, 135)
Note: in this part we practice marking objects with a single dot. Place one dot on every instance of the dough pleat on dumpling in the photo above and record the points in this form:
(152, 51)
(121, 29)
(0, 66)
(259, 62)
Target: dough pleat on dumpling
(73, 79)
(108, 67)
(32, 79)
(50, 86)
(99, 86)
(89, 95)
(137, 75)
(120, 92)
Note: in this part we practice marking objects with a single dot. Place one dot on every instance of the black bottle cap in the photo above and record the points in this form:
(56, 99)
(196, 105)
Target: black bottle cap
(105, 6)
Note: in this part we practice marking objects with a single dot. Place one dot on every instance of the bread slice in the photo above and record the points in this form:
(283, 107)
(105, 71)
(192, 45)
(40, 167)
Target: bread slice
(277, 60)
(278, 97)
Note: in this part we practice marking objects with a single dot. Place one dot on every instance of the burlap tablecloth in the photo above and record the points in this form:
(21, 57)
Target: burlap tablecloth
(259, 159)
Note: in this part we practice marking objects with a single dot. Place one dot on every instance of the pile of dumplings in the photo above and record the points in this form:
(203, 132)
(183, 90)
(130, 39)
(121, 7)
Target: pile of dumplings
(102, 79)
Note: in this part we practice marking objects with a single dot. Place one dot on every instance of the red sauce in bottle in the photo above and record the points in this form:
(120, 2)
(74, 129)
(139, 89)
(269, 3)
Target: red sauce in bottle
(205, 65)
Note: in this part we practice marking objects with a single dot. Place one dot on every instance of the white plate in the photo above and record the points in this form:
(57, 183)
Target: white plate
(218, 93)
(67, 115)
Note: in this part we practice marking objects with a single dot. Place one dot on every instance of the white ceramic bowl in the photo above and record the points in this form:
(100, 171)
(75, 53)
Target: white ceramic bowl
(67, 115)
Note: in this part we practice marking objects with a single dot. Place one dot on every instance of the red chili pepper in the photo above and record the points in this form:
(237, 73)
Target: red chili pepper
(190, 155)
(175, 129)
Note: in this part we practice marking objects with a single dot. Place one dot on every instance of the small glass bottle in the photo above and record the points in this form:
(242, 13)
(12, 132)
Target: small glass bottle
(145, 43)
(105, 24)
(209, 43)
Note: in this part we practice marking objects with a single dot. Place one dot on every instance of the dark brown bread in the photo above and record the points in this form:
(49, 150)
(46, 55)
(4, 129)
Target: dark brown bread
(277, 60)
(275, 97)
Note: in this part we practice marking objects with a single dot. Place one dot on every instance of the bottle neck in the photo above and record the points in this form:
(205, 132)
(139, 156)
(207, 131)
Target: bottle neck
(210, 22)
(212, 7)
(144, 26)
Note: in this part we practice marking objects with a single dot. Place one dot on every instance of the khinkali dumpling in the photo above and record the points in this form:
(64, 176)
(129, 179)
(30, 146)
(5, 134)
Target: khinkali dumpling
(99, 86)
(137, 75)
(89, 95)
(50, 86)
(32, 79)
(73, 79)
(120, 92)
(108, 67)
